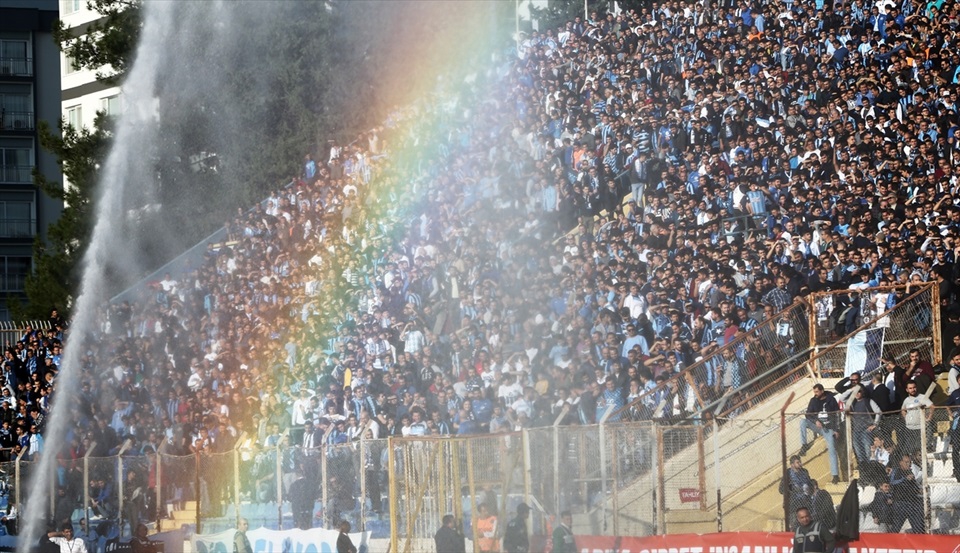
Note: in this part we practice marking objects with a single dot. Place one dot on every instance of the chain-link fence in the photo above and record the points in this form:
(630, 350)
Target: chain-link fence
(478, 479)
(728, 473)
(891, 336)
(905, 463)
(724, 367)
(830, 333)
(857, 328)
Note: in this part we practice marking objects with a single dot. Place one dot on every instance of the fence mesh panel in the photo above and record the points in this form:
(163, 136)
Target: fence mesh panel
(633, 475)
(104, 491)
(723, 368)
(342, 500)
(861, 351)
(878, 322)
(433, 477)
(178, 491)
(134, 488)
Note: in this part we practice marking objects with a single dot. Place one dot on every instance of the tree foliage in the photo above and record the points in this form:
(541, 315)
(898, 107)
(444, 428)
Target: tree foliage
(108, 43)
(79, 153)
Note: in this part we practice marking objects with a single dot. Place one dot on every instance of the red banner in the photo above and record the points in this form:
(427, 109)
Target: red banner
(689, 495)
(760, 542)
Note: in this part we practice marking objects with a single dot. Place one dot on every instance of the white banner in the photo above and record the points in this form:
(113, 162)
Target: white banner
(264, 540)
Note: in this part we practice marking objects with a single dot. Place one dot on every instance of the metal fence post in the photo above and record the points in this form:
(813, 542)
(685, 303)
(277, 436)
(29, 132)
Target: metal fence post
(785, 476)
(362, 457)
(16, 478)
(120, 479)
(525, 445)
(471, 486)
(86, 483)
(849, 442)
(812, 334)
(236, 480)
(935, 321)
(556, 467)
(197, 484)
(923, 467)
(120, 482)
(159, 499)
(615, 482)
(716, 473)
(323, 481)
(279, 480)
(661, 502)
(394, 500)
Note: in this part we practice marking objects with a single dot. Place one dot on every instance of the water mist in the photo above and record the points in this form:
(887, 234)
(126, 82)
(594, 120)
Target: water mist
(128, 166)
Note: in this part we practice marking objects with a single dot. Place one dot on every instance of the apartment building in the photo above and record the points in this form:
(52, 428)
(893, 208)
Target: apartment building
(29, 93)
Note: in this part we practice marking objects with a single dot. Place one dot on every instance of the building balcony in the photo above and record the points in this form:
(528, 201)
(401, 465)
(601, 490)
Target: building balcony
(18, 228)
(12, 282)
(17, 174)
(16, 67)
(16, 120)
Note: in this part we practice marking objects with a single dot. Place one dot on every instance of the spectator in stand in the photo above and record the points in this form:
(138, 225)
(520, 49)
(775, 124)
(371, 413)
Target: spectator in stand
(917, 411)
(822, 418)
(905, 482)
(752, 176)
(821, 506)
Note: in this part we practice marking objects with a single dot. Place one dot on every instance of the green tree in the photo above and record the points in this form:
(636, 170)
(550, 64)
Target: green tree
(56, 262)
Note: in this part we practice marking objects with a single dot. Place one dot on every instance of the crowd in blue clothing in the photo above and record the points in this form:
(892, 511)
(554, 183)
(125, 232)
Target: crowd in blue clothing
(627, 192)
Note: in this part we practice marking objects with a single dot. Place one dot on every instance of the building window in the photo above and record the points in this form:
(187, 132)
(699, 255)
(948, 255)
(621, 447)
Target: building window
(16, 107)
(16, 160)
(13, 272)
(13, 57)
(75, 117)
(17, 219)
(69, 65)
(110, 105)
(71, 6)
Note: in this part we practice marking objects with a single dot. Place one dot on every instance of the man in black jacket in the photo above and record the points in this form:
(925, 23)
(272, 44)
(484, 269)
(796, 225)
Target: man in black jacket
(515, 539)
(448, 539)
(822, 418)
(821, 506)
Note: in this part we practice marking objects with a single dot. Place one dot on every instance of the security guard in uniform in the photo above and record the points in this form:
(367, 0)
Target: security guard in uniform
(811, 537)
(563, 535)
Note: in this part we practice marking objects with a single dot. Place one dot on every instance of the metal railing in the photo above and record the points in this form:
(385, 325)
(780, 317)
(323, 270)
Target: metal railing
(11, 331)
(898, 322)
(16, 120)
(750, 353)
(19, 174)
(800, 338)
(18, 228)
(16, 67)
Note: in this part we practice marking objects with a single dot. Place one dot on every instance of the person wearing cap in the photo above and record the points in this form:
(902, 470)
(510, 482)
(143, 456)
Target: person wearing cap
(65, 540)
(515, 539)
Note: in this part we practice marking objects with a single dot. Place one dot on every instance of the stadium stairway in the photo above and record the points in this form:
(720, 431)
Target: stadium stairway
(750, 459)
(750, 462)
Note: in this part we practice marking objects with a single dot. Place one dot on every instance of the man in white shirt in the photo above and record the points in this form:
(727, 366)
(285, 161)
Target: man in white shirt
(68, 544)
(913, 418)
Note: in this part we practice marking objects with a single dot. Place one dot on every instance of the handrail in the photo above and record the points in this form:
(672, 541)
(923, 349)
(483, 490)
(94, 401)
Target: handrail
(740, 338)
(737, 340)
(811, 360)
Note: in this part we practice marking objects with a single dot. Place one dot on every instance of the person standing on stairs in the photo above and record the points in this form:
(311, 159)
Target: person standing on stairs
(823, 418)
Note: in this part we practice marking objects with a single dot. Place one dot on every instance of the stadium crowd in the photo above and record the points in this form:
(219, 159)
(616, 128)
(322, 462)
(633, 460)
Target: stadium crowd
(628, 193)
